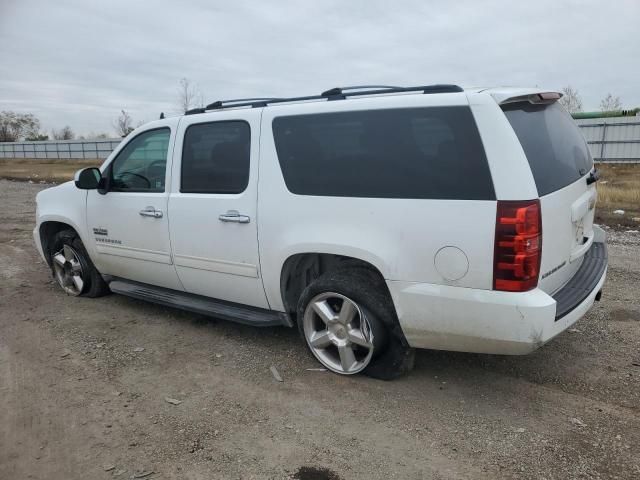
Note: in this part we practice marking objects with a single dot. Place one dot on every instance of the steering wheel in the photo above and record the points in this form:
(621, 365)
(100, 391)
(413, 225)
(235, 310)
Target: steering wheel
(133, 174)
(159, 165)
(155, 171)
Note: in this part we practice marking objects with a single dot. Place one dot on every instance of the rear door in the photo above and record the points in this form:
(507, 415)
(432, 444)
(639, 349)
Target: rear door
(213, 206)
(561, 164)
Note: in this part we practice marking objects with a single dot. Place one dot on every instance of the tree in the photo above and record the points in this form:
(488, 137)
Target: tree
(610, 104)
(123, 124)
(16, 126)
(571, 99)
(65, 133)
(189, 96)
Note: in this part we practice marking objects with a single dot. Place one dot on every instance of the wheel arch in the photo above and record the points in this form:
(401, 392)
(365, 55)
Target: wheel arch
(300, 269)
(47, 230)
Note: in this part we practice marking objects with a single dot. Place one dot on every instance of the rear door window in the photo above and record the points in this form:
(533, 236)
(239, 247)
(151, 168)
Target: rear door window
(420, 153)
(215, 157)
(556, 150)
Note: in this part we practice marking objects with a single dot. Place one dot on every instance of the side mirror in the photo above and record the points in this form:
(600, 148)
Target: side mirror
(88, 178)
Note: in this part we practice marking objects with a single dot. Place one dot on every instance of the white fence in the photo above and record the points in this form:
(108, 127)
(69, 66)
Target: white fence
(610, 139)
(90, 149)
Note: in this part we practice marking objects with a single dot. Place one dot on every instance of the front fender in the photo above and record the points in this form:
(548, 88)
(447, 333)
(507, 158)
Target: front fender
(63, 204)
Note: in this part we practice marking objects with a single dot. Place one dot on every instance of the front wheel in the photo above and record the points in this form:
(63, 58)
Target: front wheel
(350, 326)
(73, 269)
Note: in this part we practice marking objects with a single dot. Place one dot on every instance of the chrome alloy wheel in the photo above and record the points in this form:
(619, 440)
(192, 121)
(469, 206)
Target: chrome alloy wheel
(68, 270)
(338, 333)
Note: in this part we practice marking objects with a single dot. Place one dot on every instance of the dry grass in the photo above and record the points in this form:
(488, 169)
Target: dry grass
(619, 189)
(50, 171)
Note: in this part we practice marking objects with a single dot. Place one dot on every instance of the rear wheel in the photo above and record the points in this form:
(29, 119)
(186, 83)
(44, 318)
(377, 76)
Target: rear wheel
(339, 333)
(72, 268)
(349, 324)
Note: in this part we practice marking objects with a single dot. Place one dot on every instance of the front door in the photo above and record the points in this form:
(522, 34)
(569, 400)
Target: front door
(212, 207)
(128, 225)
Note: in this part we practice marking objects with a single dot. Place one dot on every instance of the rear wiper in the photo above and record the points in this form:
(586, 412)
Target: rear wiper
(593, 177)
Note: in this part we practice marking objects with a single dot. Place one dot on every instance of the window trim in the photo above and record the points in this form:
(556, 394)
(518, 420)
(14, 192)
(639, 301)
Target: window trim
(184, 136)
(109, 170)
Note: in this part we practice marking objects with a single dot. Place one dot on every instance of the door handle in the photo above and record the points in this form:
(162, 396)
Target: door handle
(234, 216)
(151, 212)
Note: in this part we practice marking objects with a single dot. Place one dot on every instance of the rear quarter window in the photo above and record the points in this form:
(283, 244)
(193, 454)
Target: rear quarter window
(556, 150)
(422, 153)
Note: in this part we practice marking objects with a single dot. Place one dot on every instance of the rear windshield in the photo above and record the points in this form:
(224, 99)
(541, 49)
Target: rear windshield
(418, 153)
(556, 150)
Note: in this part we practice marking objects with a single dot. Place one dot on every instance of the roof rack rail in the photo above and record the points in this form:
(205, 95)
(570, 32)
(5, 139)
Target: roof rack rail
(337, 93)
(193, 111)
(254, 102)
(339, 90)
(236, 102)
(342, 93)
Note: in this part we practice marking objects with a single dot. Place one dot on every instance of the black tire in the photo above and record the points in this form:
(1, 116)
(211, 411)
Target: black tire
(94, 284)
(394, 357)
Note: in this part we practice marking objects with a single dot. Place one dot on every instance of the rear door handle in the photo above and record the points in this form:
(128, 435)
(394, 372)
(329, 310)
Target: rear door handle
(234, 216)
(151, 212)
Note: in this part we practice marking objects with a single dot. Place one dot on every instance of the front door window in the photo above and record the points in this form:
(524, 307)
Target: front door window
(141, 165)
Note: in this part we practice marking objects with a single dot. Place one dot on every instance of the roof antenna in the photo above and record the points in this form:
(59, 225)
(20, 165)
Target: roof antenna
(161, 115)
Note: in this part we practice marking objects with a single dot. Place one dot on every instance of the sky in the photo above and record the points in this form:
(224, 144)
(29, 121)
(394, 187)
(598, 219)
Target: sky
(79, 62)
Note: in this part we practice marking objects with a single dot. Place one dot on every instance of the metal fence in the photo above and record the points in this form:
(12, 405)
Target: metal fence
(64, 149)
(612, 139)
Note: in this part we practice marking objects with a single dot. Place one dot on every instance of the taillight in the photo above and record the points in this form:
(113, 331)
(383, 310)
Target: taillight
(518, 246)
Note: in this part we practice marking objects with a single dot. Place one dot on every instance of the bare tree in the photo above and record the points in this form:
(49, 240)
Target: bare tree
(123, 124)
(610, 104)
(16, 126)
(571, 99)
(189, 96)
(65, 133)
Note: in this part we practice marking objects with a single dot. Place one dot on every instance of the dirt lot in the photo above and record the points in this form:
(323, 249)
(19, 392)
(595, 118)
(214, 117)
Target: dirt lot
(80, 399)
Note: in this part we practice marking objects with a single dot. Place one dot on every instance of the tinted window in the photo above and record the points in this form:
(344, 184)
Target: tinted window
(215, 158)
(400, 153)
(556, 150)
(141, 165)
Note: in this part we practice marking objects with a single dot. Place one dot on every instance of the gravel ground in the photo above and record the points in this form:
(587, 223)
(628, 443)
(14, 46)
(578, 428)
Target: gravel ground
(84, 386)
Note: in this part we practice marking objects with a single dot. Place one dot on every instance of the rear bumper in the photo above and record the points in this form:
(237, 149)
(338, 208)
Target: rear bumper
(444, 317)
(583, 282)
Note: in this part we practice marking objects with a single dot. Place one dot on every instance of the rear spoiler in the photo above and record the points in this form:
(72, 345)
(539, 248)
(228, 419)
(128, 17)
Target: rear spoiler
(536, 98)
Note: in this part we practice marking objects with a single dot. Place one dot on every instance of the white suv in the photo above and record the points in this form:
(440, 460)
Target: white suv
(378, 219)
